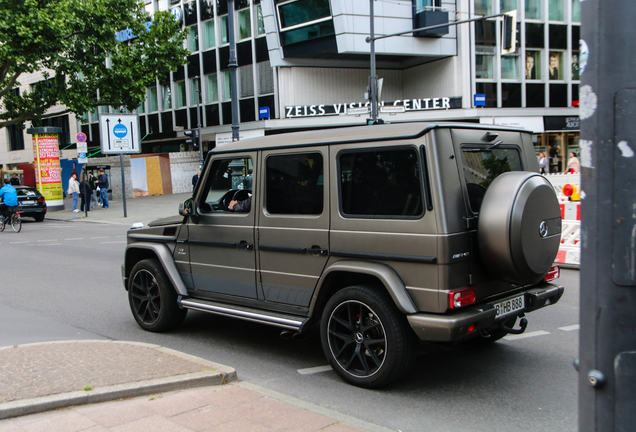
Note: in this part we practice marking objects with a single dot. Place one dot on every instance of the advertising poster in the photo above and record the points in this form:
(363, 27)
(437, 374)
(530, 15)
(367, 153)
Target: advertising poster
(48, 174)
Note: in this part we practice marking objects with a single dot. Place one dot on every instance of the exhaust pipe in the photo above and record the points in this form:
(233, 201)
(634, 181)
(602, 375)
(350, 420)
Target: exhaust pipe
(287, 335)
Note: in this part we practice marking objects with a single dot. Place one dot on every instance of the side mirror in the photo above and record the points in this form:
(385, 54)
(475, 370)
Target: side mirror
(185, 208)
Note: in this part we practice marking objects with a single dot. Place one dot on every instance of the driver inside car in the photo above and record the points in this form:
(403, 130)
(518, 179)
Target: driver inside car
(241, 206)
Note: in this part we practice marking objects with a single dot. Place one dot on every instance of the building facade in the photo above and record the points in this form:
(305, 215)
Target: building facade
(304, 64)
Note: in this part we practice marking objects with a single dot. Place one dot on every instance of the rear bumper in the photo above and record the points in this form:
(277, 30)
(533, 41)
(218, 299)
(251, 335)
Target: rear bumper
(454, 327)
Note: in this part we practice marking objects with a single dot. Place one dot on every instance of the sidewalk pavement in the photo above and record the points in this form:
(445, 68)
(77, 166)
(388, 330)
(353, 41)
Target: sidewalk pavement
(127, 386)
(143, 209)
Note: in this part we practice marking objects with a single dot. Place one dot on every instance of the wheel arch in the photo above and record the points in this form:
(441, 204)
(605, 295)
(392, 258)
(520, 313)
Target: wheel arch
(347, 273)
(136, 252)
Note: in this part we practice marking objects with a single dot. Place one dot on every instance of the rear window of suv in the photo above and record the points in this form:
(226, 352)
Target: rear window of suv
(482, 165)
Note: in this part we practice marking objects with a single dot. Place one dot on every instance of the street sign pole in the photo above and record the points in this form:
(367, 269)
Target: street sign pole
(123, 182)
(607, 348)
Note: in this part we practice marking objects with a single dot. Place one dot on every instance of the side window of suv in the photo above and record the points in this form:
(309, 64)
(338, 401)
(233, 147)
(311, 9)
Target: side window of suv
(228, 180)
(294, 184)
(381, 183)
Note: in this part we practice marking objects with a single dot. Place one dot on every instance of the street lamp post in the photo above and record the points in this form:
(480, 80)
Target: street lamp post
(198, 80)
(373, 79)
(233, 65)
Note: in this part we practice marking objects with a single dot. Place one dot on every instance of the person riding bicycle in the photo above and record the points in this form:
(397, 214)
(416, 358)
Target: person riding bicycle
(9, 196)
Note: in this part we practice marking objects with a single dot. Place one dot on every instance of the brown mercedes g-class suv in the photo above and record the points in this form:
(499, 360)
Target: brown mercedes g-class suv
(383, 234)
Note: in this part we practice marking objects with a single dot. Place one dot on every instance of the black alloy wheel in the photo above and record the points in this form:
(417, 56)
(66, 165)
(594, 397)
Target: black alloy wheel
(152, 298)
(365, 338)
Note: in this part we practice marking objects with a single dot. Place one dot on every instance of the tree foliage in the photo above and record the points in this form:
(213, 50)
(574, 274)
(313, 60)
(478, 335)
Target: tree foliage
(72, 43)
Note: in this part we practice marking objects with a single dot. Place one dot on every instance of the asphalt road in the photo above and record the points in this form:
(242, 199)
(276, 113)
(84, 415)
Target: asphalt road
(62, 281)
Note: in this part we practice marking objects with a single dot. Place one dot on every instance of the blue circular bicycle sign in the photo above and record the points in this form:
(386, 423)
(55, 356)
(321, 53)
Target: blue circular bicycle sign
(120, 131)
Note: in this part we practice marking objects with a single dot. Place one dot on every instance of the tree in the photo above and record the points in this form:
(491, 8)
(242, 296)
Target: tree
(72, 43)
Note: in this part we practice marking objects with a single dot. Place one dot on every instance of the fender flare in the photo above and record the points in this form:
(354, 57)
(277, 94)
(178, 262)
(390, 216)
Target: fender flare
(384, 273)
(165, 258)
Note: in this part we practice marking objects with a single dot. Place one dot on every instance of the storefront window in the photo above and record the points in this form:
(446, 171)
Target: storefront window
(533, 9)
(152, 99)
(483, 7)
(555, 65)
(245, 25)
(180, 94)
(576, 10)
(212, 88)
(555, 9)
(555, 143)
(533, 65)
(209, 35)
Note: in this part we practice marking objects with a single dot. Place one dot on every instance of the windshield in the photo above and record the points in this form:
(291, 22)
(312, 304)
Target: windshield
(482, 165)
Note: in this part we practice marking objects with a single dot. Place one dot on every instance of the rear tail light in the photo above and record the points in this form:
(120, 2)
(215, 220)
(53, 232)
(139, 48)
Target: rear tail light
(41, 200)
(553, 273)
(461, 297)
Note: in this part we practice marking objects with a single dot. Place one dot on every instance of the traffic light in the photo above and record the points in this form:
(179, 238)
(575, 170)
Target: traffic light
(192, 138)
(509, 32)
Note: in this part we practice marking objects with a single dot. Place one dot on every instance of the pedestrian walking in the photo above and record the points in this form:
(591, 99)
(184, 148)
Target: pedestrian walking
(93, 181)
(574, 166)
(544, 164)
(102, 183)
(195, 180)
(86, 192)
(73, 190)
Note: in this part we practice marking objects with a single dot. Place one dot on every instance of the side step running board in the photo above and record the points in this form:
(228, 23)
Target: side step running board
(291, 322)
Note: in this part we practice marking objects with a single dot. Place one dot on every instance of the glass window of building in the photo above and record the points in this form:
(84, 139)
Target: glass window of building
(295, 12)
(265, 78)
(227, 93)
(224, 35)
(534, 36)
(207, 9)
(245, 24)
(166, 97)
(533, 9)
(507, 5)
(422, 5)
(484, 66)
(555, 65)
(209, 36)
(95, 115)
(483, 7)
(141, 108)
(246, 81)
(193, 38)
(152, 99)
(509, 67)
(575, 66)
(260, 24)
(180, 94)
(576, 10)
(556, 10)
(211, 88)
(16, 138)
(533, 65)
(194, 86)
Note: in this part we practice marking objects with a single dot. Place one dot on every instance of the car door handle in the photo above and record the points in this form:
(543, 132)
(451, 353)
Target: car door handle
(245, 245)
(317, 250)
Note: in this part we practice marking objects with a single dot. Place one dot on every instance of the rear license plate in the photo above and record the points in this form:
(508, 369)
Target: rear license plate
(28, 202)
(509, 306)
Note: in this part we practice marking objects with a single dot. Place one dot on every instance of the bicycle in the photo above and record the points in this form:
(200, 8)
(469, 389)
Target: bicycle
(14, 219)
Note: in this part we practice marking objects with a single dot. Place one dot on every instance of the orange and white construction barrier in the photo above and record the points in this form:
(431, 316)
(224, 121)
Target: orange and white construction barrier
(567, 188)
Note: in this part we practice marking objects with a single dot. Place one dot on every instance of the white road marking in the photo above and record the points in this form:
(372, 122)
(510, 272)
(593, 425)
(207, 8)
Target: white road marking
(570, 328)
(77, 238)
(527, 335)
(45, 244)
(314, 370)
(122, 241)
(99, 237)
(50, 240)
(22, 242)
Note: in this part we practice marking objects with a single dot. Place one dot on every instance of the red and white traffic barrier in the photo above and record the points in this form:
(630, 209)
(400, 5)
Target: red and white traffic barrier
(569, 254)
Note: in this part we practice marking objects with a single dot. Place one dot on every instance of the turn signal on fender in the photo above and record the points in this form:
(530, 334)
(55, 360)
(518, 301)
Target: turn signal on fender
(461, 297)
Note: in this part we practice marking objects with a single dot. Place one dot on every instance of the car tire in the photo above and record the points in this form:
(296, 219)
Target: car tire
(519, 228)
(493, 334)
(369, 353)
(152, 298)
(39, 218)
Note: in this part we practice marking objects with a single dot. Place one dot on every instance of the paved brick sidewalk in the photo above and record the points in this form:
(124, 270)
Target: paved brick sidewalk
(216, 408)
